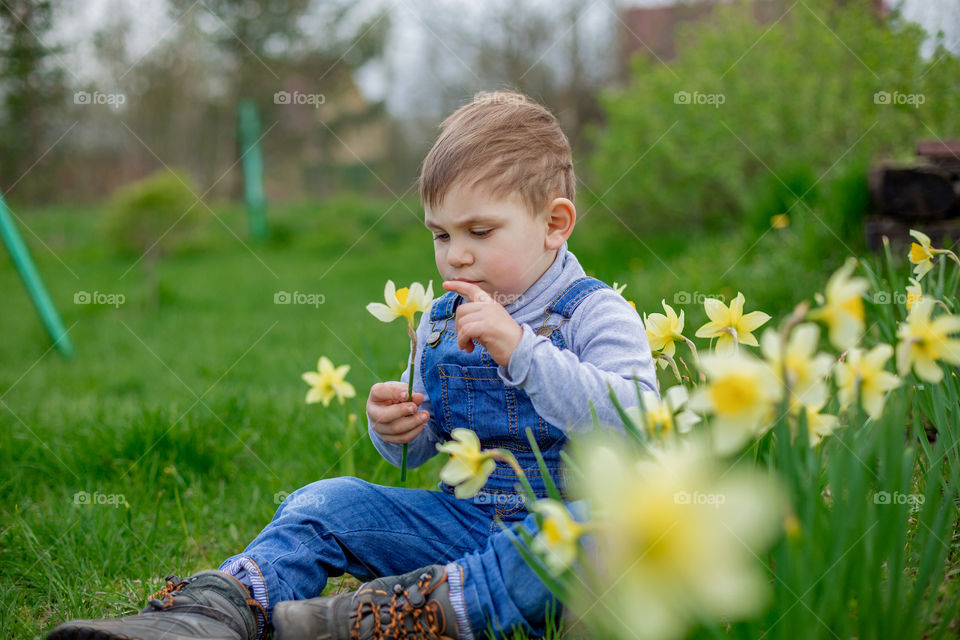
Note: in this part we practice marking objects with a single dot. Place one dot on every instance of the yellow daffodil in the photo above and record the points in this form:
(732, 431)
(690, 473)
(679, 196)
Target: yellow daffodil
(662, 416)
(468, 467)
(729, 325)
(664, 330)
(328, 382)
(924, 341)
(843, 309)
(922, 254)
(914, 292)
(741, 392)
(558, 537)
(780, 221)
(806, 371)
(676, 537)
(819, 425)
(402, 303)
(865, 371)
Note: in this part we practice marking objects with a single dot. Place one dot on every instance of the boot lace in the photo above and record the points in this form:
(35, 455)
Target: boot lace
(412, 604)
(163, 599)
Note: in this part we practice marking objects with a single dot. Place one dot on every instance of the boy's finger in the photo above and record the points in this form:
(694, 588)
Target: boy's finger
(470, 291)
(386, 413)
(384, 391)
(409, 423)
(404, 438)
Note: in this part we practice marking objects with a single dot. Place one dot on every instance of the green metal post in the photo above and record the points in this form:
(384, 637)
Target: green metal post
(253, 193)
(20, 256)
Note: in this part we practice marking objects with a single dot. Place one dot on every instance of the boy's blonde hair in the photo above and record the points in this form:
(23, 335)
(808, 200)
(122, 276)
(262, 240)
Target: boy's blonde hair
(506, 143)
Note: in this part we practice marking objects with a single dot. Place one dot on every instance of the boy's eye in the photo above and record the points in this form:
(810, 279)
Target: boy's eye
(440, 236)
(481, 232)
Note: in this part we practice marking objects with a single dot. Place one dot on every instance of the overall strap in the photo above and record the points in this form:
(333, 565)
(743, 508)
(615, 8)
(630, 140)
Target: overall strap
(576, 292)
(445, 306)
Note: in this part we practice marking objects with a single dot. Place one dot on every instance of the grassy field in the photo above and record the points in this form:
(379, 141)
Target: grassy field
(184, 404)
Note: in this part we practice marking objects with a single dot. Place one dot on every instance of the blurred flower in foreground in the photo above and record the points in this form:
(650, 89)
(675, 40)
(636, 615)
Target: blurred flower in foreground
(402, 303)
(664, 330)
(740, 393)
(806, 370)
(328, 382)
(663, 416)
(559, 534)
(676, 537)
(914, 292)
(729, 325)
(819, 425)
(864, 371)
(843, 309)
(924, 341)
(468, 467)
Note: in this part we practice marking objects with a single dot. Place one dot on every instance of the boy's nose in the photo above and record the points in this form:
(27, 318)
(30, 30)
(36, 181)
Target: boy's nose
(459, 256)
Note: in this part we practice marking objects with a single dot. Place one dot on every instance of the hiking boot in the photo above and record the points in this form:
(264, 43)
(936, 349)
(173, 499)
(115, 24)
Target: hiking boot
(414, 605)
(209, 604)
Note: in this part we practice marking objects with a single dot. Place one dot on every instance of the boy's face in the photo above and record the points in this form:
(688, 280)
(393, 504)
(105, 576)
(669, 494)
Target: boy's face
(492, 242)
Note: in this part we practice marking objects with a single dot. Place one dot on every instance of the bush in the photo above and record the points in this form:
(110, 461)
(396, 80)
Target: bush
(753, 120)
(156, 216)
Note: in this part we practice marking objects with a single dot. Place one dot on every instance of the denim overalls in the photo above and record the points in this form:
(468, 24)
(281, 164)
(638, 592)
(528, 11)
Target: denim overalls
(467, 392)
(338, 525)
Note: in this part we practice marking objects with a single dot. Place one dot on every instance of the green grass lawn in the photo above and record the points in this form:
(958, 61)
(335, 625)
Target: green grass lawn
(187, 399)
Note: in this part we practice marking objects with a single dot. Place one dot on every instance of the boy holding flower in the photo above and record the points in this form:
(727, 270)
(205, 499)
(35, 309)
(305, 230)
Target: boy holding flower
(522, 339)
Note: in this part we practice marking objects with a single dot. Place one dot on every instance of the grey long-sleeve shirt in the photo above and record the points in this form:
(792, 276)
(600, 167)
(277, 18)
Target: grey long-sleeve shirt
(606, 344)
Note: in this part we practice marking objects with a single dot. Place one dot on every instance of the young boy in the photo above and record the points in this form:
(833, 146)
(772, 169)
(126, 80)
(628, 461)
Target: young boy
(522, 339)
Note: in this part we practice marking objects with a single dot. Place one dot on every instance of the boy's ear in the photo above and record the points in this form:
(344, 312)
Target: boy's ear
(561, 218)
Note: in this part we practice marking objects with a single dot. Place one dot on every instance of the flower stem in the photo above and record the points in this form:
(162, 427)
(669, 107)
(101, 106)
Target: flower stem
(413, 353)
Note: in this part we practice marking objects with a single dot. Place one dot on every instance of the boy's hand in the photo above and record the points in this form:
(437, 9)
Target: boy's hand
(392, 416)
(483, 319)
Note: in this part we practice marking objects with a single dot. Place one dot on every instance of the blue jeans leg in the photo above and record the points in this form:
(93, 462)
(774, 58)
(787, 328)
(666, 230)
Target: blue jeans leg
(349, 525)
(500, 589)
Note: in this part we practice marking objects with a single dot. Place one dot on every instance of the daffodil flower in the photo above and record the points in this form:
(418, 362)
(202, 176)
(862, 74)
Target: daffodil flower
(663, 416)
(924, 341)
(558, 537)
(914, 292)
(729, 325)
(402, 303)
(468, 467)
(678, 535)
(864, 371)
(664, 330)
(741, 392)
(805, 370)
(819, 425)
(328, 382)
(842, 310)
(922, 254)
